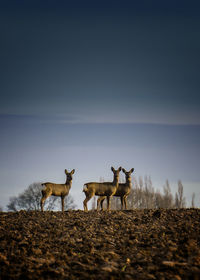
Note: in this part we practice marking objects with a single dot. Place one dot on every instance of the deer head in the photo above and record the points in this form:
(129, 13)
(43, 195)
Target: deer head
(128, 173)
(69, 175)
(116, 172)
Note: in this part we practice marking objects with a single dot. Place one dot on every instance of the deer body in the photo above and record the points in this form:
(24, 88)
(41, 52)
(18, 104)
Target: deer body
(56, 189)
(122, 191)
(61, 190)
(106, 189)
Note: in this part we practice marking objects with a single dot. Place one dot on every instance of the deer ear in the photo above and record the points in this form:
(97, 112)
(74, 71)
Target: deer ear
(72, 172)
(123, 170)
(66, 171)
(120, 168)
(132, 169)
(112, 169)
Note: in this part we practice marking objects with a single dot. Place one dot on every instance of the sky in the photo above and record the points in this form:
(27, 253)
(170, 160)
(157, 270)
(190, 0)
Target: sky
(87, 85)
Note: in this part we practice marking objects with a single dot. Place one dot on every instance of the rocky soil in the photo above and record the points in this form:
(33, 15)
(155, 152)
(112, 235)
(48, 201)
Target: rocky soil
(138, 244)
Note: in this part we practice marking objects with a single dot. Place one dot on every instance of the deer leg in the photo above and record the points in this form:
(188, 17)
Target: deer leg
(122, 202)
(85, 203)
(62, 202)
(100, 201)
(42, 203)
(89, 195)
(45, 195)
(125, 202)
(108, 202)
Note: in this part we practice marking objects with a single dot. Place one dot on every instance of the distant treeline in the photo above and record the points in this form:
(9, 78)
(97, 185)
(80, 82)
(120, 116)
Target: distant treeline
(143, 195)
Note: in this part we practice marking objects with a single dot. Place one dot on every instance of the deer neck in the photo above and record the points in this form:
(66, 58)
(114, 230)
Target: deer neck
(116, 181)
(68, 183)
(128, 182)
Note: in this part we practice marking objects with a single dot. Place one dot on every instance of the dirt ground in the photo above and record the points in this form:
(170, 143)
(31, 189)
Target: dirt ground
(138, 244)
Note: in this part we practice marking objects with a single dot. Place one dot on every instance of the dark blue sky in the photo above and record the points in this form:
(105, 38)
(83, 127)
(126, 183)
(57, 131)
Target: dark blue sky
(118, 80)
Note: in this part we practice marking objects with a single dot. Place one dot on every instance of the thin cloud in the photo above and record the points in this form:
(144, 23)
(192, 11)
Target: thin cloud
(74, 119)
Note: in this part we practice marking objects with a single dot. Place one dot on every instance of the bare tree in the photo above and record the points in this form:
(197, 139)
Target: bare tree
(30, 200)
(132, 199)
(141, 200)
(136, 196)
(179, 198)
(143, 195)
(149, 193)
(159, 200)
(94, 203)
(115, 203)
(193, 198)
(168, 201)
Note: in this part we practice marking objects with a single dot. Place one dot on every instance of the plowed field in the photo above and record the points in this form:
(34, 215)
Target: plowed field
(138, 244)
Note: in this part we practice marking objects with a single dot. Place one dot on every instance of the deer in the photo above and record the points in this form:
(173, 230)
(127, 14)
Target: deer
(105, 189)
(61, 190)
(122, 191)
